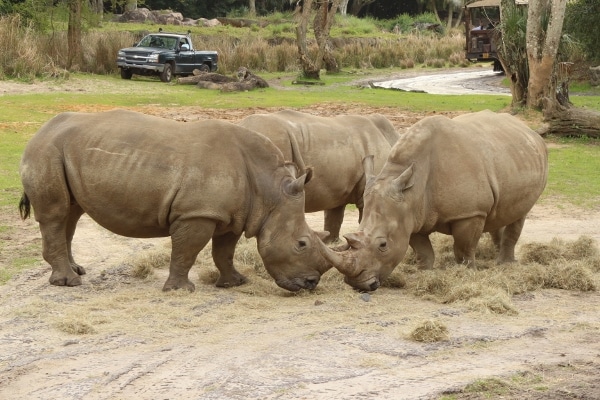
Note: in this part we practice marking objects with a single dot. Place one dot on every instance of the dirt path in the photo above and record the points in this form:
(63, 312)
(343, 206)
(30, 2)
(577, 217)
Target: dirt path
(245, 344)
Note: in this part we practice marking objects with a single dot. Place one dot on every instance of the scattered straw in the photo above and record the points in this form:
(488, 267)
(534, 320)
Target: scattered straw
(143, 266)
(75, 327)
(429, 332)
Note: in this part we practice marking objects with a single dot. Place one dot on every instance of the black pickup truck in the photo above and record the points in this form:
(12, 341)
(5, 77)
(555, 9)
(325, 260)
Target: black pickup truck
(165, 55)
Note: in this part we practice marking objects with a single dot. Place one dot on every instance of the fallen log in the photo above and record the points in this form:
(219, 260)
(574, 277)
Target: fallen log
(571, 121)
(206, 77)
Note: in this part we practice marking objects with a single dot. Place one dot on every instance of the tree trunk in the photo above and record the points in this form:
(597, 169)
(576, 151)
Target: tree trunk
(358, 5)
(344, 7)
(310, 69)
(97, 6)
(434, 11)
(450, 12)
(74, 53)
(460, 17)
(542, 49)
(322, 26)
(252, 7)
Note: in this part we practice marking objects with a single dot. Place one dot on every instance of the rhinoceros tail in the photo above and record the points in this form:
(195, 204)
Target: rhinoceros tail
(24, 207)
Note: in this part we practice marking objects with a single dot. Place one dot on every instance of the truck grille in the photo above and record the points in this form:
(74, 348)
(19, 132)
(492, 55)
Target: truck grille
(137, 57)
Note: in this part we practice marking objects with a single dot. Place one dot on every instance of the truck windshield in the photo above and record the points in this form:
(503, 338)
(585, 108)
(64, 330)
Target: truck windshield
(162, 42)
(484, 18)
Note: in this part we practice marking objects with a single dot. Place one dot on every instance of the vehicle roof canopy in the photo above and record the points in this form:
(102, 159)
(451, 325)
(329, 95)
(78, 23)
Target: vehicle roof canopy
(484, 3)
(492, 3)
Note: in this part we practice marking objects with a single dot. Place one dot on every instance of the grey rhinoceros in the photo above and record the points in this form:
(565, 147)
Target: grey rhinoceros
(479, 172)
(144, 176)
(335, 147)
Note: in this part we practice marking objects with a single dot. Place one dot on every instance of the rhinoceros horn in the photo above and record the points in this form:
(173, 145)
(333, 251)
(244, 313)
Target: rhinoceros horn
(342, 259)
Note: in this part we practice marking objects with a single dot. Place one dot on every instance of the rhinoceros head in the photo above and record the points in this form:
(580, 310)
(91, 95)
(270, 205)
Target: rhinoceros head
(293, 254)
(372, 253)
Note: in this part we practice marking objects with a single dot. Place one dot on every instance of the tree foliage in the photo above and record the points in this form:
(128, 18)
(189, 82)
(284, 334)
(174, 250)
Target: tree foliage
(511, 48)
(581, 22)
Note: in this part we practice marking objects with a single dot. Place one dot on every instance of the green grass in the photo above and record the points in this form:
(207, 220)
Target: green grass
(573, 172)
(17, 265)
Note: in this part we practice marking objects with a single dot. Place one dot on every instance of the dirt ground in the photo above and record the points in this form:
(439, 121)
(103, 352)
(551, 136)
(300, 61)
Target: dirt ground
(119, 337)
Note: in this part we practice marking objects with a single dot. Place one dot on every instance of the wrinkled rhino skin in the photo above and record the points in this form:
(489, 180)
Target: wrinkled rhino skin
(143, 176)
(335, 147)
(479, 172)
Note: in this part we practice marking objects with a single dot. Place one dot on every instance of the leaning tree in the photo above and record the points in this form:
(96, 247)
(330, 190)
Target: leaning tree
(532, 50)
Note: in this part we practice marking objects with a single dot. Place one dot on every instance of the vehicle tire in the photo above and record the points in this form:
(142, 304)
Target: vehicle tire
(167, 73)
(204, 68)
(126, 73)
(498, 66)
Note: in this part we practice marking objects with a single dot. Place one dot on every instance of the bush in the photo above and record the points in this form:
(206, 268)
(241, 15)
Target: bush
(581, 23)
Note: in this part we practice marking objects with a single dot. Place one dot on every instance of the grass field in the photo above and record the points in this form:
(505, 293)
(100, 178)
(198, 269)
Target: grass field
(574, 163)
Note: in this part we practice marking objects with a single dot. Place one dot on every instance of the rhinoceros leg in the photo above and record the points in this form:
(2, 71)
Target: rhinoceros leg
(466, 234)
(187, 239)
(497, 237)
(56, 253)
(510, 236)
(223, 249)
(74, 214)
(423, 249)
(333, 223)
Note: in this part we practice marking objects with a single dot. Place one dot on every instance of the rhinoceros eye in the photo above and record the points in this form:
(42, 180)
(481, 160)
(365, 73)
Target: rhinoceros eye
(382, 244)
(301, 244)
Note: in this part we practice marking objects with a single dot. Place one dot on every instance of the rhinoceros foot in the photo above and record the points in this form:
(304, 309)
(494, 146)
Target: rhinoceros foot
(235, 279)
(59, 279)
(79, 270)
(173, 284)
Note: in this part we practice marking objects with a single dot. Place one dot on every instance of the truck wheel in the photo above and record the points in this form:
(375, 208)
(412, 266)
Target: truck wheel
(204, 68)
(167, 73)
(126, 73)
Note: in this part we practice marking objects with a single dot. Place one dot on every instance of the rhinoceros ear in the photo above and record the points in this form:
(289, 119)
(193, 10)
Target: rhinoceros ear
(294, 187)
(405, 180)
(309, 174)
(355, 240)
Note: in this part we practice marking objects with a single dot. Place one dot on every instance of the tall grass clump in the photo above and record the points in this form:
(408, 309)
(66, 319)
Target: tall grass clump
(252, 52)
(19, 54)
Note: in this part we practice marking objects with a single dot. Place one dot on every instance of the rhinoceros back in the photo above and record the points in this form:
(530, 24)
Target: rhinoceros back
(333, 146)
(482, 163)
(135, 174)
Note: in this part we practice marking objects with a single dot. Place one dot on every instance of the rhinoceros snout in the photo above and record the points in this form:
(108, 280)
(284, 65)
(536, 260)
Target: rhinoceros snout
(368, 285)
(293, 285)
(375, 285)
(311, 283)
